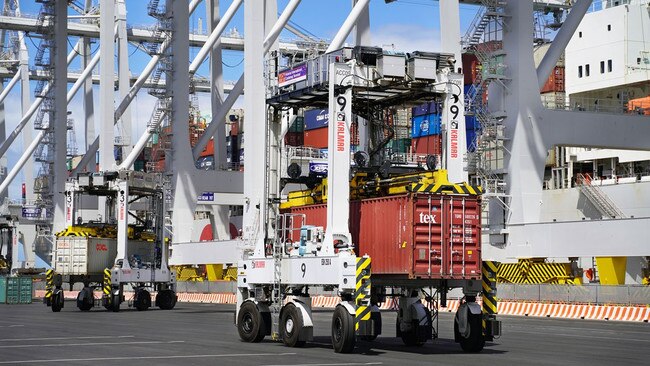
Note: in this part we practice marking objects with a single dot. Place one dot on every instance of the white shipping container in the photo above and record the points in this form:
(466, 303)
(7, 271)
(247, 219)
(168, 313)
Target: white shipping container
(90, 256)
(84, 256)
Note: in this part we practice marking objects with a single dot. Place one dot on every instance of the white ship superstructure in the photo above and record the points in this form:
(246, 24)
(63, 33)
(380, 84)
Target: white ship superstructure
(607, 71)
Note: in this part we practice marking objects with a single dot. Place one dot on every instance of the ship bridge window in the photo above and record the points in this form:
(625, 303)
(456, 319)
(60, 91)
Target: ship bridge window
(579, 34)
(586, 70)
(602, 67)
(609, 65)
(609, 27)
(579, 71)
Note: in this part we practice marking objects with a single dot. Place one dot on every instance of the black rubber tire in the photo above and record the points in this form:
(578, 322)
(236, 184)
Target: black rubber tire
(83, 302)
(343, 335)
(291, 318)
(250, 323)
(411, 338)
(475, 342)
(57, 301)
(142, 300)
(166, 299)
(116, 299)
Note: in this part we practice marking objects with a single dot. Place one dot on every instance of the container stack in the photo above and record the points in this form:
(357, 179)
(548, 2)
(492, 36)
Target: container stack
(16, 290)
(553, 92)
(426, 129)
(296, 134)
(316, 121)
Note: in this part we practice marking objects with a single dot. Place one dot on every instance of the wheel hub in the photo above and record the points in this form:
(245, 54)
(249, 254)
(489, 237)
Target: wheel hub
(338, 330)
(247, 323)
(288, 327)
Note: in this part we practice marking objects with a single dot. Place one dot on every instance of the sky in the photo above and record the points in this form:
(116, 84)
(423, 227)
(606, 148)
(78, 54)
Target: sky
(403, 25)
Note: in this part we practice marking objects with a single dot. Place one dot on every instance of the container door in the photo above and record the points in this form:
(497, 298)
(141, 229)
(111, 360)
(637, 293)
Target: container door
(384, 233)
(428, 220)
(462, 235)
(63, 255)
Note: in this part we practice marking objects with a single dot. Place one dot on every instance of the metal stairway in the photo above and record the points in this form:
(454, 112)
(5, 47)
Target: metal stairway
(598, 198)
(487, 151)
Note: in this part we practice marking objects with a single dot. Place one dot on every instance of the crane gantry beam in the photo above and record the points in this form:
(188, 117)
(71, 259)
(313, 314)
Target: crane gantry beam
(143, 35)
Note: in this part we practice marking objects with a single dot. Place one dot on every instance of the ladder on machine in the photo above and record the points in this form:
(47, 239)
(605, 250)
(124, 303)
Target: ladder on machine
(276, 293)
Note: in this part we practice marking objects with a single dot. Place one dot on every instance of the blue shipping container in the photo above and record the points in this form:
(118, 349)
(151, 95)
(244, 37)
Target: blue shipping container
(316, 118)
(426, 125)
(471, 123)
(426, 109)
(471, 136)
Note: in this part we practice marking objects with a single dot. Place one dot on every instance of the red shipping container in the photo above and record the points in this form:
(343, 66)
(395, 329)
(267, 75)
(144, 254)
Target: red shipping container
(294, 139)
(431, 145)
(471, 67)
(426, 236)
(555, 82)
(316, 138)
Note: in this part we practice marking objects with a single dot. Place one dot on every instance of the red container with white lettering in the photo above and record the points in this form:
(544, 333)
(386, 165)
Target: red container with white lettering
(414, 236)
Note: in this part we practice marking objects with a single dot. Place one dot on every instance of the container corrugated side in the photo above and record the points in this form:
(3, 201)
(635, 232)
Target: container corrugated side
(84, 256)
(26, 292)
(414, 236)
(3, 290)
(13, 290)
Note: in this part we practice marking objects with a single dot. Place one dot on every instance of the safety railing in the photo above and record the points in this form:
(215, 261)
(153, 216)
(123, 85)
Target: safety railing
(585, 294)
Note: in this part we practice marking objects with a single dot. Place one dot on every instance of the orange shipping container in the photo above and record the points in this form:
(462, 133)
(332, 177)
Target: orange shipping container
(555, 82)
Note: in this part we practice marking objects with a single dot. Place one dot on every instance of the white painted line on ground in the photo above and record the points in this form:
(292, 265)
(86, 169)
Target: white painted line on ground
(582, 336)
(61, 338)
(88, 344)
(11, 326)
(147, 358)
(334, 364)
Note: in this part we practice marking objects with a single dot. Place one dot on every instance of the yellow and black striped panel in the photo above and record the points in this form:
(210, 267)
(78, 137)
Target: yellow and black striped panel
(107, 282)
(49, 283)
(489, 292)
(527, 271)
(362, 291)
(445, 188)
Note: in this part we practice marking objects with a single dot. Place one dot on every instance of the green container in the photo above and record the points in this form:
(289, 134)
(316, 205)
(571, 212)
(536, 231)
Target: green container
(13, 290)
(26, 292)
(138, 165)
(400, 145)
(298, 125)
(19, 290)
(3, 290)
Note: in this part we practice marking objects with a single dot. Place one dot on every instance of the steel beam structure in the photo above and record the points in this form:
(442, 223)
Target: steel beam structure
(455, 126)
(106, 87)
(531, 130)
(60, 123)
(33, 107)
(123, 74)
(561, 40)
(220, 213)
(361, 7)
(137, 35)
(238, 88)
(255, 208)
(88, 101)
(200, 84)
